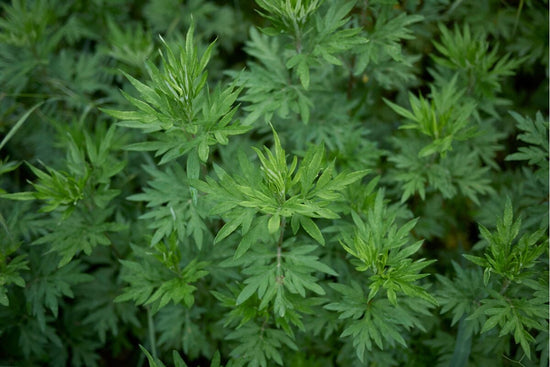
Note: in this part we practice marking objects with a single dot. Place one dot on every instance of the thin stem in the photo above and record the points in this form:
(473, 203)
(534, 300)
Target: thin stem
(278, 258)
(282, 233)
(505, 286)
(262, 329)
(297, 36)
(279, 250)
(151, 327)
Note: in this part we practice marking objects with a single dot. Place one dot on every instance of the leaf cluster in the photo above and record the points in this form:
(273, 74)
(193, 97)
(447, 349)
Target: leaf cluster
(262, 240)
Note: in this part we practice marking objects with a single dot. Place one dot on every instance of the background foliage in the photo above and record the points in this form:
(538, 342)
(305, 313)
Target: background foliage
(291, 182)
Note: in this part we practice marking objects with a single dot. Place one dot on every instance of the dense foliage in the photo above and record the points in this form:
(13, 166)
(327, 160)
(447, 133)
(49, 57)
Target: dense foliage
(291, 182)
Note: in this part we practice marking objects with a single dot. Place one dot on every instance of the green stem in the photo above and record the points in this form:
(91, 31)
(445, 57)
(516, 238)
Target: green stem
(505, 286)
(282, 233)
(279, 250)
(297, 36)
(262, 329)
(151, 328)
(463, 346)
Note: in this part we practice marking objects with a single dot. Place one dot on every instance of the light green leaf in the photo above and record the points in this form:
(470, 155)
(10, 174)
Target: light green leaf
(312, 229)
(274, 223)
(303, 73)
(247, 292)
(229, 228)
(203, 150)
(22, 196)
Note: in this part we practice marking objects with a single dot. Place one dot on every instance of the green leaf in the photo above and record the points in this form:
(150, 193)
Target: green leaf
(216, 360)
(248, 291)
(311, 228)
(18, 124)
(153, 362)
(274, 223)
(228, 228)
(203, 150)
(178, 361)
(23, 196)
(303, 73)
